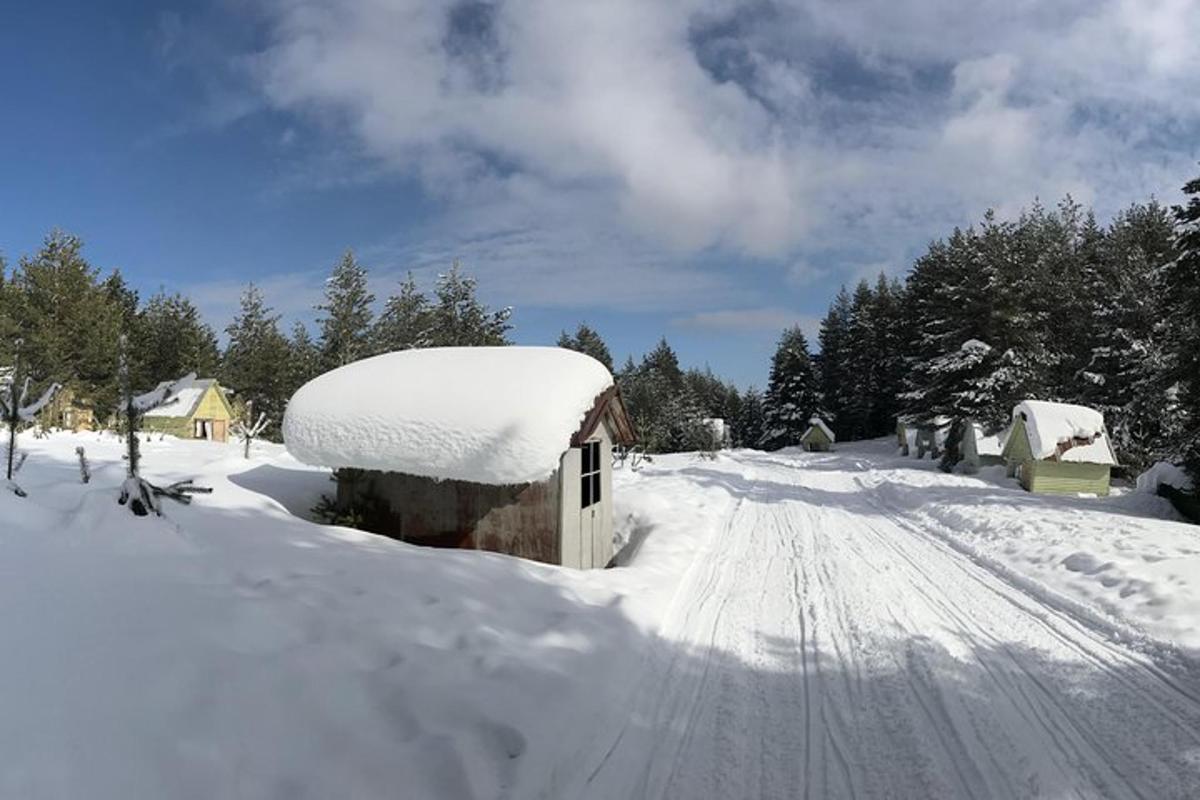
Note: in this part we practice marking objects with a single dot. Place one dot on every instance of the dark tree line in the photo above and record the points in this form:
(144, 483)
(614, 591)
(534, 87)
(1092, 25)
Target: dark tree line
(1052, 305)
(66, 319)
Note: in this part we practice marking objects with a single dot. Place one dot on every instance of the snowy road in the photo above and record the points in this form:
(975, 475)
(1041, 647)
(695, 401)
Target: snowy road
(824, 644)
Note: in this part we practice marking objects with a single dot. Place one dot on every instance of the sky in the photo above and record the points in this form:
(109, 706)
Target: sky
(706, 170)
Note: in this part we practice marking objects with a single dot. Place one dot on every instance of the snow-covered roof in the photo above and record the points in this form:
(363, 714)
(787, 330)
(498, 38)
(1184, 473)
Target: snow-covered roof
(817, 422)
(496, 415)
(186, 400)
(986, 445)
(1049, 424)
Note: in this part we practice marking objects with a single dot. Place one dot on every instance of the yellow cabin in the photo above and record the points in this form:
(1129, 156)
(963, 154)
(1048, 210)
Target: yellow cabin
(201, 411)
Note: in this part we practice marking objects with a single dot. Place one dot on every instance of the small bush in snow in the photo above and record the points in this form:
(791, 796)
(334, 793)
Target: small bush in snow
(16, 410)
(140, 495)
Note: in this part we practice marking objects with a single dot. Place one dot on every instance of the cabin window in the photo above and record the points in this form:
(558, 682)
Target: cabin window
(589, 477)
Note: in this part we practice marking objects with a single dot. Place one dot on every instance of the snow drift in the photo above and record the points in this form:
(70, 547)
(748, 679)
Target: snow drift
(497, 415)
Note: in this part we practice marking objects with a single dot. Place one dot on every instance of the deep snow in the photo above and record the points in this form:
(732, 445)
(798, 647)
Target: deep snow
(821, 625)
(496, 415)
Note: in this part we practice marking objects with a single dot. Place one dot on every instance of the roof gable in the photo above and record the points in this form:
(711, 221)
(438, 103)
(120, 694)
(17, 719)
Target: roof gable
(188, 400)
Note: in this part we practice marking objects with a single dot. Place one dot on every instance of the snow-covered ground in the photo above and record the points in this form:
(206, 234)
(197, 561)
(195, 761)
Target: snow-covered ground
(784, 625)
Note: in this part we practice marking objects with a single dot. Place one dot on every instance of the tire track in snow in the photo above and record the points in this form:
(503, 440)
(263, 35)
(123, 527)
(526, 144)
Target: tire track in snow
(824, 645)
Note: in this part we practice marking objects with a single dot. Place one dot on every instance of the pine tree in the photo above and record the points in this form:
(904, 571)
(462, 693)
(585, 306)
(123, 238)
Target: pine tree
(256, 362)
(69, 322)
(831, 363)
(169, 339)
(750, 424)
(588, 341)
(405, 322)
(791, 398)
(1123, 376)
(304, 359)
(346, 326)
(1181, 280)
(889, 367)
(861, 365)
(459, 319)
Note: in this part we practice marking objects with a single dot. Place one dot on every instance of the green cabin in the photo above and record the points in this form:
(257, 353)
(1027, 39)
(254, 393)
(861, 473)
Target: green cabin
(201, 411)
(1058, 448)
(818, 438)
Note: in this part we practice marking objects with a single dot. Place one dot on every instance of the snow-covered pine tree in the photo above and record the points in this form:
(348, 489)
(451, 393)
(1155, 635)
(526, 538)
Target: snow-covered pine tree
(750, 424)
(890, 338)
(831, 363)
(587, 341)
(1181, 279)
(1124, 376)
(459, 319)
(346, 326)
(140, 495)
(257, 361)
(16, 410)
(791, 397)
(861, 365)
(941, 314)
(405, 322)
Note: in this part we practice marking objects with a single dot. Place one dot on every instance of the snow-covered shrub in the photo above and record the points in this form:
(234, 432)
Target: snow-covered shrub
(140, 495)
(16, 410)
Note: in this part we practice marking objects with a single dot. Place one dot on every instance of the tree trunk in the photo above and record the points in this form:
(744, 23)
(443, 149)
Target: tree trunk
(131, 440)
(12, 447)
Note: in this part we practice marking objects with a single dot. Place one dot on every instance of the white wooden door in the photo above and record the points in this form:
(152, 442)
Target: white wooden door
(590, 489)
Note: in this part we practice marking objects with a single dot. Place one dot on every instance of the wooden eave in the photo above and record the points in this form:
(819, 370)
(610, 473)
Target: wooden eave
(608, 403)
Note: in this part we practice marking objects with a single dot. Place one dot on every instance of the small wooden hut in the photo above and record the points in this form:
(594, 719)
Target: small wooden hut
(493, 448)
(979, 449)
(201, 411)
(1058, 448)
(817, 438)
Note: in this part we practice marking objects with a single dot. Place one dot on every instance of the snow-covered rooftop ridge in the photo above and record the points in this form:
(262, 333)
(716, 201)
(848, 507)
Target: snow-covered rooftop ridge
(817, 422)
(183, 403)
(495, 415)
(1049, 424)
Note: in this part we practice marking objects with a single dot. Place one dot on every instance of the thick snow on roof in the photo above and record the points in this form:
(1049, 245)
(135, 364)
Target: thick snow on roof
(1048, 424)
(495, 415)
(185, 400)
(817, 422)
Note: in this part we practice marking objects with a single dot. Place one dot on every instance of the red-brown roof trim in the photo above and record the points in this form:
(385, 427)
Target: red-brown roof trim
(607, 402)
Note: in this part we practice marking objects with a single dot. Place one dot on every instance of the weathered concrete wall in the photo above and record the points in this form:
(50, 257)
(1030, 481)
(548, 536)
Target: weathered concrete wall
(520, 520)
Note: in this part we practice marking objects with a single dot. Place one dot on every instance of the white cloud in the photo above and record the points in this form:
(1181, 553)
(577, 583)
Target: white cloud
(620, 139)
(748, 320)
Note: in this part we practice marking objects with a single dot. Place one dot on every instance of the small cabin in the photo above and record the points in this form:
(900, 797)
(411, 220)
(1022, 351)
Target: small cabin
(718, 432)
(1058, 448)
(980, 449)
(201, 411)
(817, 438)
(69, 411)
(507, 449)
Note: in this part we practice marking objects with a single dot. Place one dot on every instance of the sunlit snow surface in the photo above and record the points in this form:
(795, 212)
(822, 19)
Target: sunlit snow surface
(850, 624)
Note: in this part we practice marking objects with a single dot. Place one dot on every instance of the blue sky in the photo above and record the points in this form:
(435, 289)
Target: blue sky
(711, 171)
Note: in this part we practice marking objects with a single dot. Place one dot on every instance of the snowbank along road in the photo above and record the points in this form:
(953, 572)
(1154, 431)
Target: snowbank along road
(826, 642)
